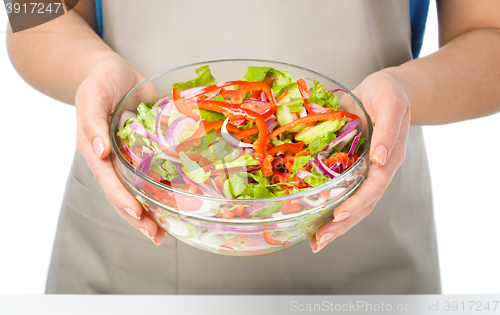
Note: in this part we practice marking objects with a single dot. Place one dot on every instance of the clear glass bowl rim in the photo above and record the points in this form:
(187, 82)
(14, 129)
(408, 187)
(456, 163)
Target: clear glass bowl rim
(308, 192)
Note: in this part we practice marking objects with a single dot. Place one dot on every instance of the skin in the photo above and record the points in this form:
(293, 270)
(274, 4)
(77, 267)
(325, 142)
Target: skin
(465, 71)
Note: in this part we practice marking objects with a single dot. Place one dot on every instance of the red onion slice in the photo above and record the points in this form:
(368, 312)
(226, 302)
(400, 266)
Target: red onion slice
(309, 203)
(256, 207)
(349, 126)
(303, 174)
(165, 107)
(354, 145)
(337, 90)
(126, 115)
(271, 124)
(131, 154)
(177, 129)
(341, 141)
(254, 102)
(145, 166)
(324, 169)
(203, 187)
(168, 157)
(315, 108)
(137, 127)
(232, 141)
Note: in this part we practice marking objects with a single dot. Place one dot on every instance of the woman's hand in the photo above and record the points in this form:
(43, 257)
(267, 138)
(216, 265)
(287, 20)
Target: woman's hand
(96, 98)
(386, 101)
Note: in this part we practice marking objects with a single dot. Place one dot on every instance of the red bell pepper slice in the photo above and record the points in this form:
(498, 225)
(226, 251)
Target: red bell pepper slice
(266, 167)
(291, 147)
(233, 112)
(236, 96)
(195, 139)
(303, 89)
(179, 104)
(268, 237)
(266, 110)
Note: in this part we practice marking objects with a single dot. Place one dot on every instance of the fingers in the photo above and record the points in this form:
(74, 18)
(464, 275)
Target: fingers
(389, 116)
(106, 177)
(145, 224)
(94, 109)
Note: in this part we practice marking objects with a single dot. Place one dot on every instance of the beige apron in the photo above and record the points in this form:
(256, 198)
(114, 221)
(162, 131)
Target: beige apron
(393, 251)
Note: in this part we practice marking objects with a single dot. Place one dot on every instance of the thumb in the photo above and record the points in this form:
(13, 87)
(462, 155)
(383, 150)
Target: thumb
(94, 105)
(387, 104)
(96, 98)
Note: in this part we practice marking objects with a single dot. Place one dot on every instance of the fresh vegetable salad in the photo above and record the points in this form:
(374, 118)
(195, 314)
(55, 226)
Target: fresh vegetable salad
(260, 136)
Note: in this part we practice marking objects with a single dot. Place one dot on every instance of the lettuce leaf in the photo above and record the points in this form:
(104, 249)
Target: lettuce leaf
(316, 179)
(247, 126)
(319, 143)
(267, 211)
(237, 183)
(209, 115)
(245, 160)
(299, 162)
(193, 170)
(261, 73)
(204, 78)
(220, 152)
(147, 117)
(293, 91)
(321, 97)
(296, 105)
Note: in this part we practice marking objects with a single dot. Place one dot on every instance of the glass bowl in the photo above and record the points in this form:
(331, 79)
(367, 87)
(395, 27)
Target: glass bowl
(178, 211)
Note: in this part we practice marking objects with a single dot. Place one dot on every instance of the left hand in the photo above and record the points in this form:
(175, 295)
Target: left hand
(386, 101)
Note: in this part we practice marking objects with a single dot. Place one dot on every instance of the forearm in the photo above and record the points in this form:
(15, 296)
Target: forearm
(460, 81)
(56, 57)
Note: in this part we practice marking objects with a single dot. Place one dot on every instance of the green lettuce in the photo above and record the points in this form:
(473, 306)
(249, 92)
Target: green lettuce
(299, 162)
(147, 117)
(296, 105)
(220, 152)
(267, 211)
(245, 160)
(261, 73)
(193, 170)
(316, 179)
(204, 78)
(247, 126)
(293, 91)
(237, 183)
(320, 96)
(209, 115)
(319, 143)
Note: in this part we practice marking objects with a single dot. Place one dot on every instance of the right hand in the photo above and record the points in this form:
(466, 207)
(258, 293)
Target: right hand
(103, 88)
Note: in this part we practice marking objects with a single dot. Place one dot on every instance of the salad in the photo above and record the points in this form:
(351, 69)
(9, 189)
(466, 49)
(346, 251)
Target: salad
(261, 136)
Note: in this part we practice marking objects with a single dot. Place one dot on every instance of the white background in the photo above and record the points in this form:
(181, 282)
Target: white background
(38, 142)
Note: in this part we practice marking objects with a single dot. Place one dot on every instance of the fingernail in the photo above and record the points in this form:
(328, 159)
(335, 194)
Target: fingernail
(132, 213)
(98, 147)
(380, 154)
(145, 232)
(157, 243)
(325, 238)
(341, 216)
(320, 247)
